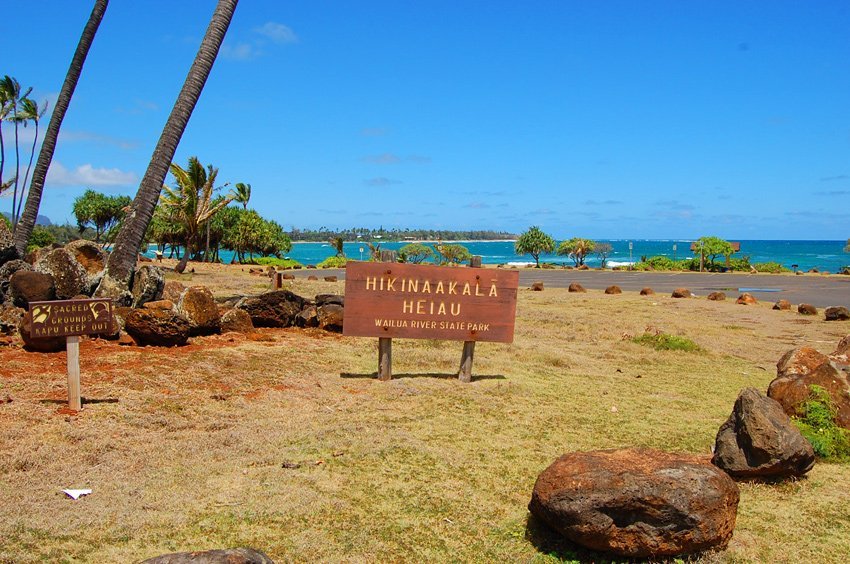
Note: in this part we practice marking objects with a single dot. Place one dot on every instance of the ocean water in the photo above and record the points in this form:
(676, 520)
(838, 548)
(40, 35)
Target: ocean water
(823, 255)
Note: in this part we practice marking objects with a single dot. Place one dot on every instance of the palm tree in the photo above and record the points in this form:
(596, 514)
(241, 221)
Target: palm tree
(243, 194)
(29, 112)
(122, 261)
(191, 200)
(11, 97)
(24, 228)
(337, 243)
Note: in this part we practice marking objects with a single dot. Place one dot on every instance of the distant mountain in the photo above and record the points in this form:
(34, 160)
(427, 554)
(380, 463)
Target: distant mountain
(39, 219)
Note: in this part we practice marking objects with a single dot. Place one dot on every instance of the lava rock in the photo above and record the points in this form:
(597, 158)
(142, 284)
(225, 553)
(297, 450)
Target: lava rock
(537, 286)
(717, 296)
(236, 320)
(198, 306)
(782, 305)
(837, 313)
(272, 309)
(157, 327)
(681, 293)
(637, 503)
(330, 317)
(148, 285)
(807, 309)
(759, 441)
(27, 286)
(647, 292)
(69, 275)
(89, 254)
(576, 287)
(746, 299)
(225, 556)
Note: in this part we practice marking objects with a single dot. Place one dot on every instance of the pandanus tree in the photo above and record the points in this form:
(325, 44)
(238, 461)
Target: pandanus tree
(24, 228)
(242, 193)
(122, 260)
(192, 203)
(577, 249)
(534, 242)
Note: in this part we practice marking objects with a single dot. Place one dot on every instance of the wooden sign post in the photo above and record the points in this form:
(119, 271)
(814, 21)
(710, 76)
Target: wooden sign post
(391, 300)
(70, 319)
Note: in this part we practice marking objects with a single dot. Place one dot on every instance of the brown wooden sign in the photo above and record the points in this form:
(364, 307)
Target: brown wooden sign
(63, 318)
(391, 300)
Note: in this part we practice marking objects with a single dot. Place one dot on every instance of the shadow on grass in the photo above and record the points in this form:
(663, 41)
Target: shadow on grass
(374, 375)
(84, 401)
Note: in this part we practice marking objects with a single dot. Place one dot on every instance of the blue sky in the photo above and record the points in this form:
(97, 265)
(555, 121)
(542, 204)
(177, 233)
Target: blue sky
(594, 119)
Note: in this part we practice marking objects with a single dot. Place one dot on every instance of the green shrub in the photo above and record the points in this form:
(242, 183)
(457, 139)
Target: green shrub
(665, 342)
(739, 264)
(771, 267)
(817, 424)
(40, 237)
(333, 262)
(275, 262)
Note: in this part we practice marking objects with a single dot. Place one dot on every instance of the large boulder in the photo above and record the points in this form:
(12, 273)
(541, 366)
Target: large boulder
(148, 284)
(782, 305)
(70, 276)
(158, 327)
(746, 299)
(717, 296)
(7, 244)
(272, 309)
(324, 299)
(637, 503)
(172, 290)
(576, 287)
(681, 293)
(759, 441)
(27, 286)
(89, 254)
(836, 313)
(6, 272)
(109, 287)
(798, 370)
(647, 291)
(613, 290)
(198, 306)
(236, 320)
(330, 317)
(223, 556)
(807, 309)
(308, 317)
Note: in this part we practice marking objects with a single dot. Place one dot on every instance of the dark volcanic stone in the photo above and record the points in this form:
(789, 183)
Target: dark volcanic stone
(681, 293)
(27, 286)
(576, 287)
(198, 306)
(158, 327)
(613, 290)
(69, 275)
(717, 296)
(836, 313)
(759, 440)
(330, 317)
(273, 309)
(637, 503)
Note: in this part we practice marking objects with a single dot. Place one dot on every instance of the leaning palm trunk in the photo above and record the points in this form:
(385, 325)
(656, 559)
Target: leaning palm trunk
(122, 261)
(24, 228)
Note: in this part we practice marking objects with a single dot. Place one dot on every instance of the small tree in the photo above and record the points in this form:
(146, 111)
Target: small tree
(415, 253)
(99, 211)
(603, 250)
(534, 242)
(713, 247)
(453, 254)
(577, 249)
(337, 243)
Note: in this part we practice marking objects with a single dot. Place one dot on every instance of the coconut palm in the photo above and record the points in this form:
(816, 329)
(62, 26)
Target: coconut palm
(243, 194)
(29, 112)
(11, 98)
(27, 222)
(192, 202)
(122, 260)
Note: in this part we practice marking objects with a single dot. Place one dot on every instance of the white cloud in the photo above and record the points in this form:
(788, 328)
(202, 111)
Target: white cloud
(87, 175)
(240, 52)
(66, 135)
(277, 32)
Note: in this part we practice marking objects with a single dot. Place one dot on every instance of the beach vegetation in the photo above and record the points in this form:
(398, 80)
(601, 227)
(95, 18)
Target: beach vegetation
(192, 204)
(337, 243)
(100, 212)
(17, 109)
(322, 234)
(534, 242)
(415, 253)
(242, 194)
(333, 262)
(577, 249)
(252, 234)
(666, 342)
(453, 254)
(817, 422)
(41, 237)
(712, 247)
(276, 262)
(603, 251)
(770, 267)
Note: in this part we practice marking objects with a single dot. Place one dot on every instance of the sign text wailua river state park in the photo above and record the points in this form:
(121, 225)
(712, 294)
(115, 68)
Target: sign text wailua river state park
(393, 300)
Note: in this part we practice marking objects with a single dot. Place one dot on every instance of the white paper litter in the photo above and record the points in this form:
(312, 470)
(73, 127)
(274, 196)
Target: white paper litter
(76, 494)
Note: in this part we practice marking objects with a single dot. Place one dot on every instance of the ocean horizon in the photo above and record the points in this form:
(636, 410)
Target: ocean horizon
(803, 255)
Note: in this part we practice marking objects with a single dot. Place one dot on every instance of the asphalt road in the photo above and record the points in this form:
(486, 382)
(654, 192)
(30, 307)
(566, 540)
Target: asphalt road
(816, 289)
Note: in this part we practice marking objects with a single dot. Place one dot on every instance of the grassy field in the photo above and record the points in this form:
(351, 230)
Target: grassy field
(284, 441)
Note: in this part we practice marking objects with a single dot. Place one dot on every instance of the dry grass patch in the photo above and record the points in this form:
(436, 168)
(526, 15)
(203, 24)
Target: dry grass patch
(291, 446)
